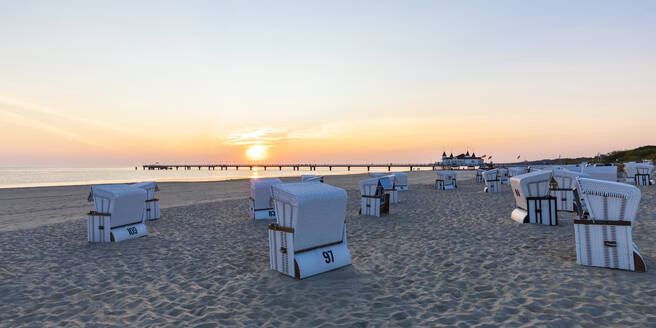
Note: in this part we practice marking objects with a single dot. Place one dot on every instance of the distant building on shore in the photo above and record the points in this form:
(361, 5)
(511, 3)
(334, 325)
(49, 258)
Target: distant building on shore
(462, 160)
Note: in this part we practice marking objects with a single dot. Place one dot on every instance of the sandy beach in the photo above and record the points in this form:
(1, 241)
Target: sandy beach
(441, 258)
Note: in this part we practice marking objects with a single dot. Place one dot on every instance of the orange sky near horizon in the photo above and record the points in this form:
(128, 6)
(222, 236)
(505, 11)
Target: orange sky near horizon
(47, 137)
(322, 82)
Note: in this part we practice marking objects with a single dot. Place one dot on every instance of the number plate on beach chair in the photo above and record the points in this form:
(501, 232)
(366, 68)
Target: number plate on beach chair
(265, 214)
(322, 260)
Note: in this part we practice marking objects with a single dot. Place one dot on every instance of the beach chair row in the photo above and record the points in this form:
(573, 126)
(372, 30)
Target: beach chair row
(606, 213)
(606, 209)
(309, 233)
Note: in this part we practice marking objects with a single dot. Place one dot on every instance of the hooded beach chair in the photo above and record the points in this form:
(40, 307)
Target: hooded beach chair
(503, 176)
(118, 213)
(517, 170)
(373, 198)
(492, 182)
(564, 191)
(534, 204)
(311, 178)
(151, 208)
(389, 185)
(607, 173)
(641, 174)
(261, 205)
(446, 180)
(479, 176)
(535, 168)
(603, 236)
(309, 235)
(400, 181)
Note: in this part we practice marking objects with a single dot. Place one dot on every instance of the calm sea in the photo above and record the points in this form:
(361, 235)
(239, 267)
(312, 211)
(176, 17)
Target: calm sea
(41, 177)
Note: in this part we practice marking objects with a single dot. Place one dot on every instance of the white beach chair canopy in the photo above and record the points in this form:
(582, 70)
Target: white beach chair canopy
(401, 178)
(533, 184)
(366, 183)
(261, 191)
(368, 186)
(311, 178)
(566, 179)
(447, 175)
(148, 185)
(387, 182)
(571, 167)
(517, 170)
(126, 202)
(491, 174)
(607, 200)
(319, 212)
(632, 168)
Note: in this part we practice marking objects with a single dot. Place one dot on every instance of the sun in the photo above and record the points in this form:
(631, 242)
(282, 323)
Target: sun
(256, 152)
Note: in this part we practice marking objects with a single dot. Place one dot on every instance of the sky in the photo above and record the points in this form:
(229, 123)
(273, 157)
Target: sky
(122, 83)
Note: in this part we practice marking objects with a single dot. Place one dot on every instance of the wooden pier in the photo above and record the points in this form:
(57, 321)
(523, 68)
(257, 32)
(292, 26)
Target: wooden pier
(298, 167)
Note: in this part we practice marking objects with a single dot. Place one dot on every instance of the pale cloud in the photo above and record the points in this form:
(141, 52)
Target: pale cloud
(332, 129)
(263, 136)
(24, 121)
(15, 105)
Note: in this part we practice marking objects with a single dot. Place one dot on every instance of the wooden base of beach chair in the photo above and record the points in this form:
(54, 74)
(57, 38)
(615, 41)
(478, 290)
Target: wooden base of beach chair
(304, 263)
(541, 210)
(440, 185)
(99, 232)
(607, 244)
(151, 210)
(373, 206)
(492, 186)
(638, 262)
(642, 179)
(384, 209)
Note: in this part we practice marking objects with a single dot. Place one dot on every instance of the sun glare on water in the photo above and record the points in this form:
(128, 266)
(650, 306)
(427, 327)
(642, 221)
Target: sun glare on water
(255, 173)
(256, 152)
